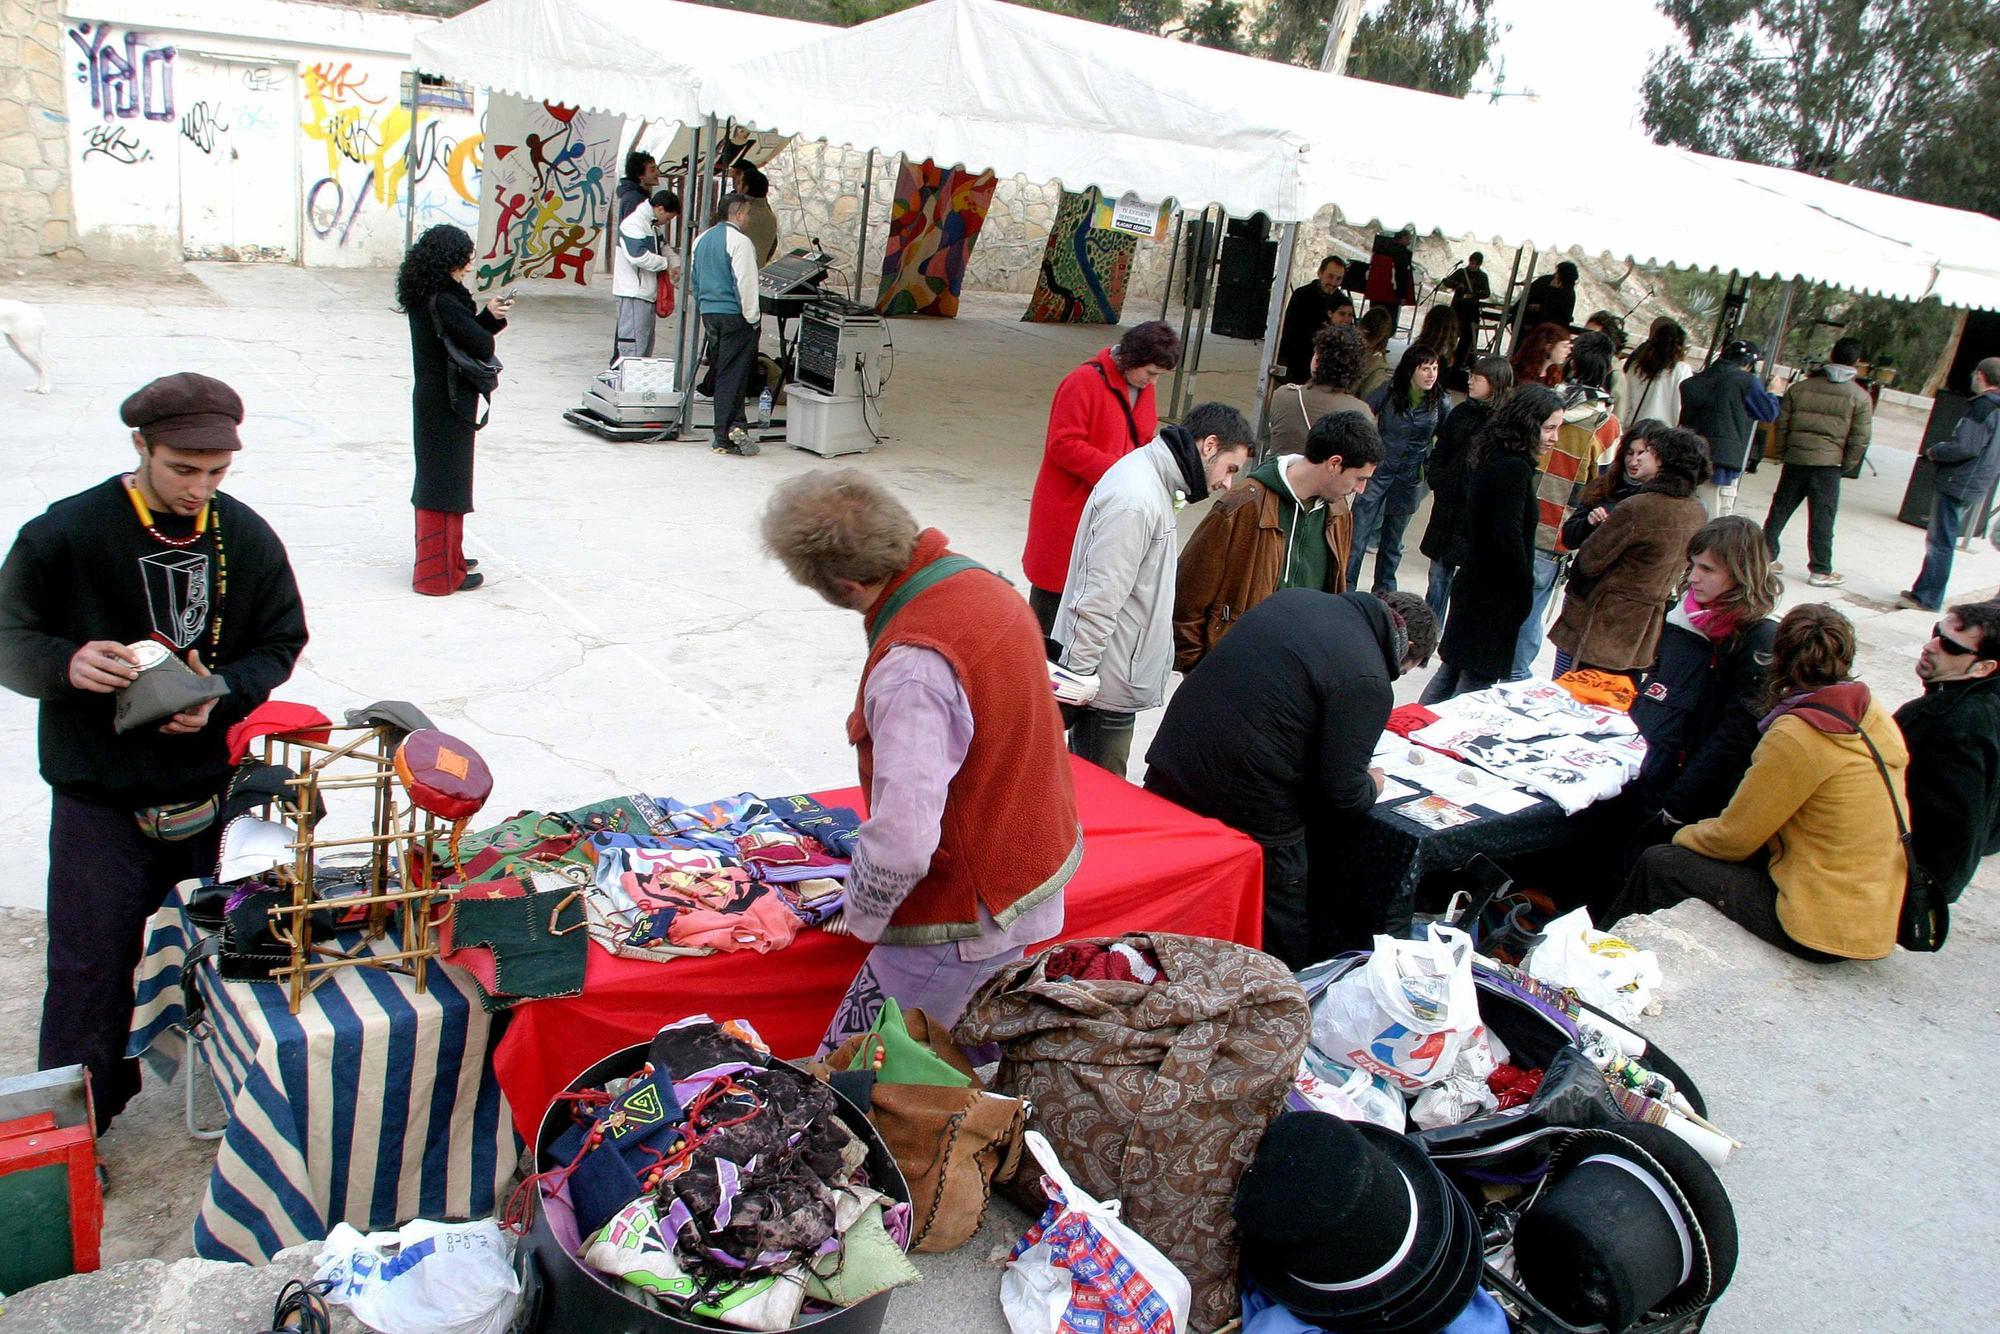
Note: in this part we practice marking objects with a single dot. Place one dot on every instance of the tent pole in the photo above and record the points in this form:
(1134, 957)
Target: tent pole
(1521, 302)
(1281, 283)
(861, 245)
(1191, 289)
(1210, 278)
(1779, 328)
(1173, 254)
(687, 332)
(410, 162)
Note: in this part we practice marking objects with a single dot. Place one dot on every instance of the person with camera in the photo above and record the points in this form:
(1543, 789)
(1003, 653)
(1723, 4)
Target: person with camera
(155, 570)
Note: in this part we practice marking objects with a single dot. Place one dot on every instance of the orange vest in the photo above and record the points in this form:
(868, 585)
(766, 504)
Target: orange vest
(1010, 836)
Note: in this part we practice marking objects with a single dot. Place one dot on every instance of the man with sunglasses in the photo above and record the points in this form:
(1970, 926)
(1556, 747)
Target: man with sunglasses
(1953, 734)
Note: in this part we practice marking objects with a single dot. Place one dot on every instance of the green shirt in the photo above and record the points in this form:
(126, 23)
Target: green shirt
(1302, 528)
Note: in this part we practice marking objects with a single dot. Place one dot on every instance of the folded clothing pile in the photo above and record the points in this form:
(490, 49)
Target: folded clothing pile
(720, 1184)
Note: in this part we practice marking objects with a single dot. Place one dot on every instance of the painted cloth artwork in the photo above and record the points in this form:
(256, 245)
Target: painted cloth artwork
(1084, 268)
(546, 188)
(936, 217)
(1536, 734)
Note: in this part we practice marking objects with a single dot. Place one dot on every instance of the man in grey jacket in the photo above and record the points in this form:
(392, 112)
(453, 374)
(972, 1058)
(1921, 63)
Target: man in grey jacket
(1824, 424)
(1966, 466)
(1116, 622)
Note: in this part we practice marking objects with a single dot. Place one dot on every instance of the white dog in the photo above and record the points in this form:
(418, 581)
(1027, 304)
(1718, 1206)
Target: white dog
(22, 324)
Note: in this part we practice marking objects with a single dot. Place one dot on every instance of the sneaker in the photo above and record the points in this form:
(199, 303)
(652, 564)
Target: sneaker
(748, 449)
(1908, 599)
(472, 581)
(1831, 579)
(1777, 567)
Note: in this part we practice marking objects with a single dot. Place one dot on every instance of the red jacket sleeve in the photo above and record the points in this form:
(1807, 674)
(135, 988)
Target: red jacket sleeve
(1080, 439)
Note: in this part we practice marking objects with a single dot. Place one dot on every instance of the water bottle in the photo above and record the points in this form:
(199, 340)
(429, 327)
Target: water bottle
(764, 408)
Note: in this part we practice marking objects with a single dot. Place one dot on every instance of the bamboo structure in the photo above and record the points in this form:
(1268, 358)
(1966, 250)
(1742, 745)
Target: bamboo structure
(397, 892)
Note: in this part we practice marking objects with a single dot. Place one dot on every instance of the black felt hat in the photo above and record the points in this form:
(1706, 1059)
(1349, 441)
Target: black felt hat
(1348, 1222)
(1632, 1221)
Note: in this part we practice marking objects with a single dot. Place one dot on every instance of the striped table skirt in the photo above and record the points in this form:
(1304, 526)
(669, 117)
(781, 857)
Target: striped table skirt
(373, 1105)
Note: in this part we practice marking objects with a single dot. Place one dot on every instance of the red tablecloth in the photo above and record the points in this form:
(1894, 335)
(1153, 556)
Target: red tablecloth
(1148, 865)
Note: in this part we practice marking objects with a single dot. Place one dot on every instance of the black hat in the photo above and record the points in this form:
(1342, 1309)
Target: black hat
(187, 411)
(1348, 1222)
(1632, 1221)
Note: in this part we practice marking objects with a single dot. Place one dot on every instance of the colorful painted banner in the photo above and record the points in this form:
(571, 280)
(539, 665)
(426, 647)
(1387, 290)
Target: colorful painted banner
(937, 215)
(1084, 269)
(545, 194)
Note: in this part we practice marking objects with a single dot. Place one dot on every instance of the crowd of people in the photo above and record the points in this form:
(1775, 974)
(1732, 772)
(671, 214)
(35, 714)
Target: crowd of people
(1562, 477)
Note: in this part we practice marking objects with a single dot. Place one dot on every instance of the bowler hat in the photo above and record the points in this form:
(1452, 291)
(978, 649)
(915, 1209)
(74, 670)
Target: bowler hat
(188, 411)
(1349, 1223)
(1632, 1221)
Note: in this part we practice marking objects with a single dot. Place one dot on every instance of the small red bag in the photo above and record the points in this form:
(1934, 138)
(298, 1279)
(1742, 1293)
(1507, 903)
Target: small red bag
(443, 775)
(663, 296)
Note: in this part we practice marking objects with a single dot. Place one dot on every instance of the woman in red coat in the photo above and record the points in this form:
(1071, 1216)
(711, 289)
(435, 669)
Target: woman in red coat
(1103, 410)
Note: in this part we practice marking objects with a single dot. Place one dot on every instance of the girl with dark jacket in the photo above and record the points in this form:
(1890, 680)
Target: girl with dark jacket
(1596, 501)
(1496, 586)
(1449, 474)
(1628, 568)
(430, 289)
(1698, 708)
(1408, 411)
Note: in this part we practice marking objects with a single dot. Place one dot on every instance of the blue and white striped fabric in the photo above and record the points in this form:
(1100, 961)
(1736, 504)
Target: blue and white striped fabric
(373, 1105)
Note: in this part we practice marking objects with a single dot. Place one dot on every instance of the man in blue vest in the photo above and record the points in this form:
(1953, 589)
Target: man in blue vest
(723, 275)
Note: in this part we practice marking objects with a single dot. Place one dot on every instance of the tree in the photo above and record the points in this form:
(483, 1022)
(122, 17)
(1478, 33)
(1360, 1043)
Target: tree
(1885, 94)
(1435, 46)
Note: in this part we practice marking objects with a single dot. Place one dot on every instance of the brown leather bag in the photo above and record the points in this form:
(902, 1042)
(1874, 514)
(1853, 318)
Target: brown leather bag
(950, 1143)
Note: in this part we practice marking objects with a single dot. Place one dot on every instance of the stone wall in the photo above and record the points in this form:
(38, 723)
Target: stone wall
(35, 213)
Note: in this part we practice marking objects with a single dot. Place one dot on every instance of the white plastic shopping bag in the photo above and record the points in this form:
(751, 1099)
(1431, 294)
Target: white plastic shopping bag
(1405, 1012)
(1079, 1267)
(427, 1278)
(1615, 976)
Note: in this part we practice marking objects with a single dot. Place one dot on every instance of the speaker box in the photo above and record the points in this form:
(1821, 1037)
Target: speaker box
(1980, 340)
(1243, 278)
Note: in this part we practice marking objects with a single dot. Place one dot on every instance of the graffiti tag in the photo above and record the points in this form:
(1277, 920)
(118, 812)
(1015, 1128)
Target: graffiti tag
(116, 142)
(125, 84)
(262, 79)
(201, 124)
(341, 84)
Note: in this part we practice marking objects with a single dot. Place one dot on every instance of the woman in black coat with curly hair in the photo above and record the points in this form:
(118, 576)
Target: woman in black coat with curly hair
(430, 289)
(1495, 590)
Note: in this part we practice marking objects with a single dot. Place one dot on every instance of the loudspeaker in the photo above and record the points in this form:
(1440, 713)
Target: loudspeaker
(1980, 340)
(1243, 280)
(1198, 251)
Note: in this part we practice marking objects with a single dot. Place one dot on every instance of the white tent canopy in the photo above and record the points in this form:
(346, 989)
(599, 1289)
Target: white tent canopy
(641, 61)
(982, 84)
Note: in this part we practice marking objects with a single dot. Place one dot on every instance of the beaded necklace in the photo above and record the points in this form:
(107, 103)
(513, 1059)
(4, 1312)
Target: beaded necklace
(203, 522)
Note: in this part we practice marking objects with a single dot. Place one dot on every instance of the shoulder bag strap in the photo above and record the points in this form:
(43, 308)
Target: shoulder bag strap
(1124, 404)
(1902, 828)
(936, 572)
(452, 378)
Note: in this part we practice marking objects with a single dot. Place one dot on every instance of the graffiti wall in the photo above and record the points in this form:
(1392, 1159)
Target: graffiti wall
(550, 174)
(322, 159)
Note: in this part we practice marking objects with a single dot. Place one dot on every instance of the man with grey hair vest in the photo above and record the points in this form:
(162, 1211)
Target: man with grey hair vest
(723, 275)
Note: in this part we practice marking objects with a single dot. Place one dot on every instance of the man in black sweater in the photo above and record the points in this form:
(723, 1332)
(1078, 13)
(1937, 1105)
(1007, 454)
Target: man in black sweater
(159, 558)
(1273, 731)
(1953, 734)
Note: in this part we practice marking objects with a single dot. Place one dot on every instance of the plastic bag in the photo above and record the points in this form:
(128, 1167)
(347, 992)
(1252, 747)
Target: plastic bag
(1463, 1094)
(427, 1278)
(1325, 1085)
(1601, 969)
(1405, 1012)
(1081, 1269)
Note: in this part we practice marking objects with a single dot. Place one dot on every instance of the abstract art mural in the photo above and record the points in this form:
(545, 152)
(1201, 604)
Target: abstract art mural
(545, 192)
(1084, 269)
(936, 217)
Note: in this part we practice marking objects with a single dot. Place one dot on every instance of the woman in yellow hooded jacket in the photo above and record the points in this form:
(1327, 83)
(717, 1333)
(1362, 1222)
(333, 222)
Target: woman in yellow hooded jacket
(1806, 855)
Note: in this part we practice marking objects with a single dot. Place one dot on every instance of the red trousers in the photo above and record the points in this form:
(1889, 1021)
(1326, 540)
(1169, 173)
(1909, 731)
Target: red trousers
(440, 553)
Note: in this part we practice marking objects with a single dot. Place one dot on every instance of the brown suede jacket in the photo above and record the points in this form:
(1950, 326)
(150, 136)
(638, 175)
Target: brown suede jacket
(1234, 561)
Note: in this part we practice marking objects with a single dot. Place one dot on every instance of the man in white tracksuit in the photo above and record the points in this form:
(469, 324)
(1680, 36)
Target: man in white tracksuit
(1116, 621)
(635, 273)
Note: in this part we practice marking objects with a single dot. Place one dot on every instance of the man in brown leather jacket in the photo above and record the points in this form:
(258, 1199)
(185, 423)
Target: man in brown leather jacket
(1286, 526)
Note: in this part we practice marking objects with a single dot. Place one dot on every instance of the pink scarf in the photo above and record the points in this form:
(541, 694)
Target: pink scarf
(1714, 623)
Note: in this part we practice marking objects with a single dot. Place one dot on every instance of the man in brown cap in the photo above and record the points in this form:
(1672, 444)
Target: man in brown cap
(153, 562)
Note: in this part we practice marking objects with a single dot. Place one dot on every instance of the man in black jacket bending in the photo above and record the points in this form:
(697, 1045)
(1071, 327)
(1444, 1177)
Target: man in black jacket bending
(154, 562)
(1953, 733)
(1273, 731)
